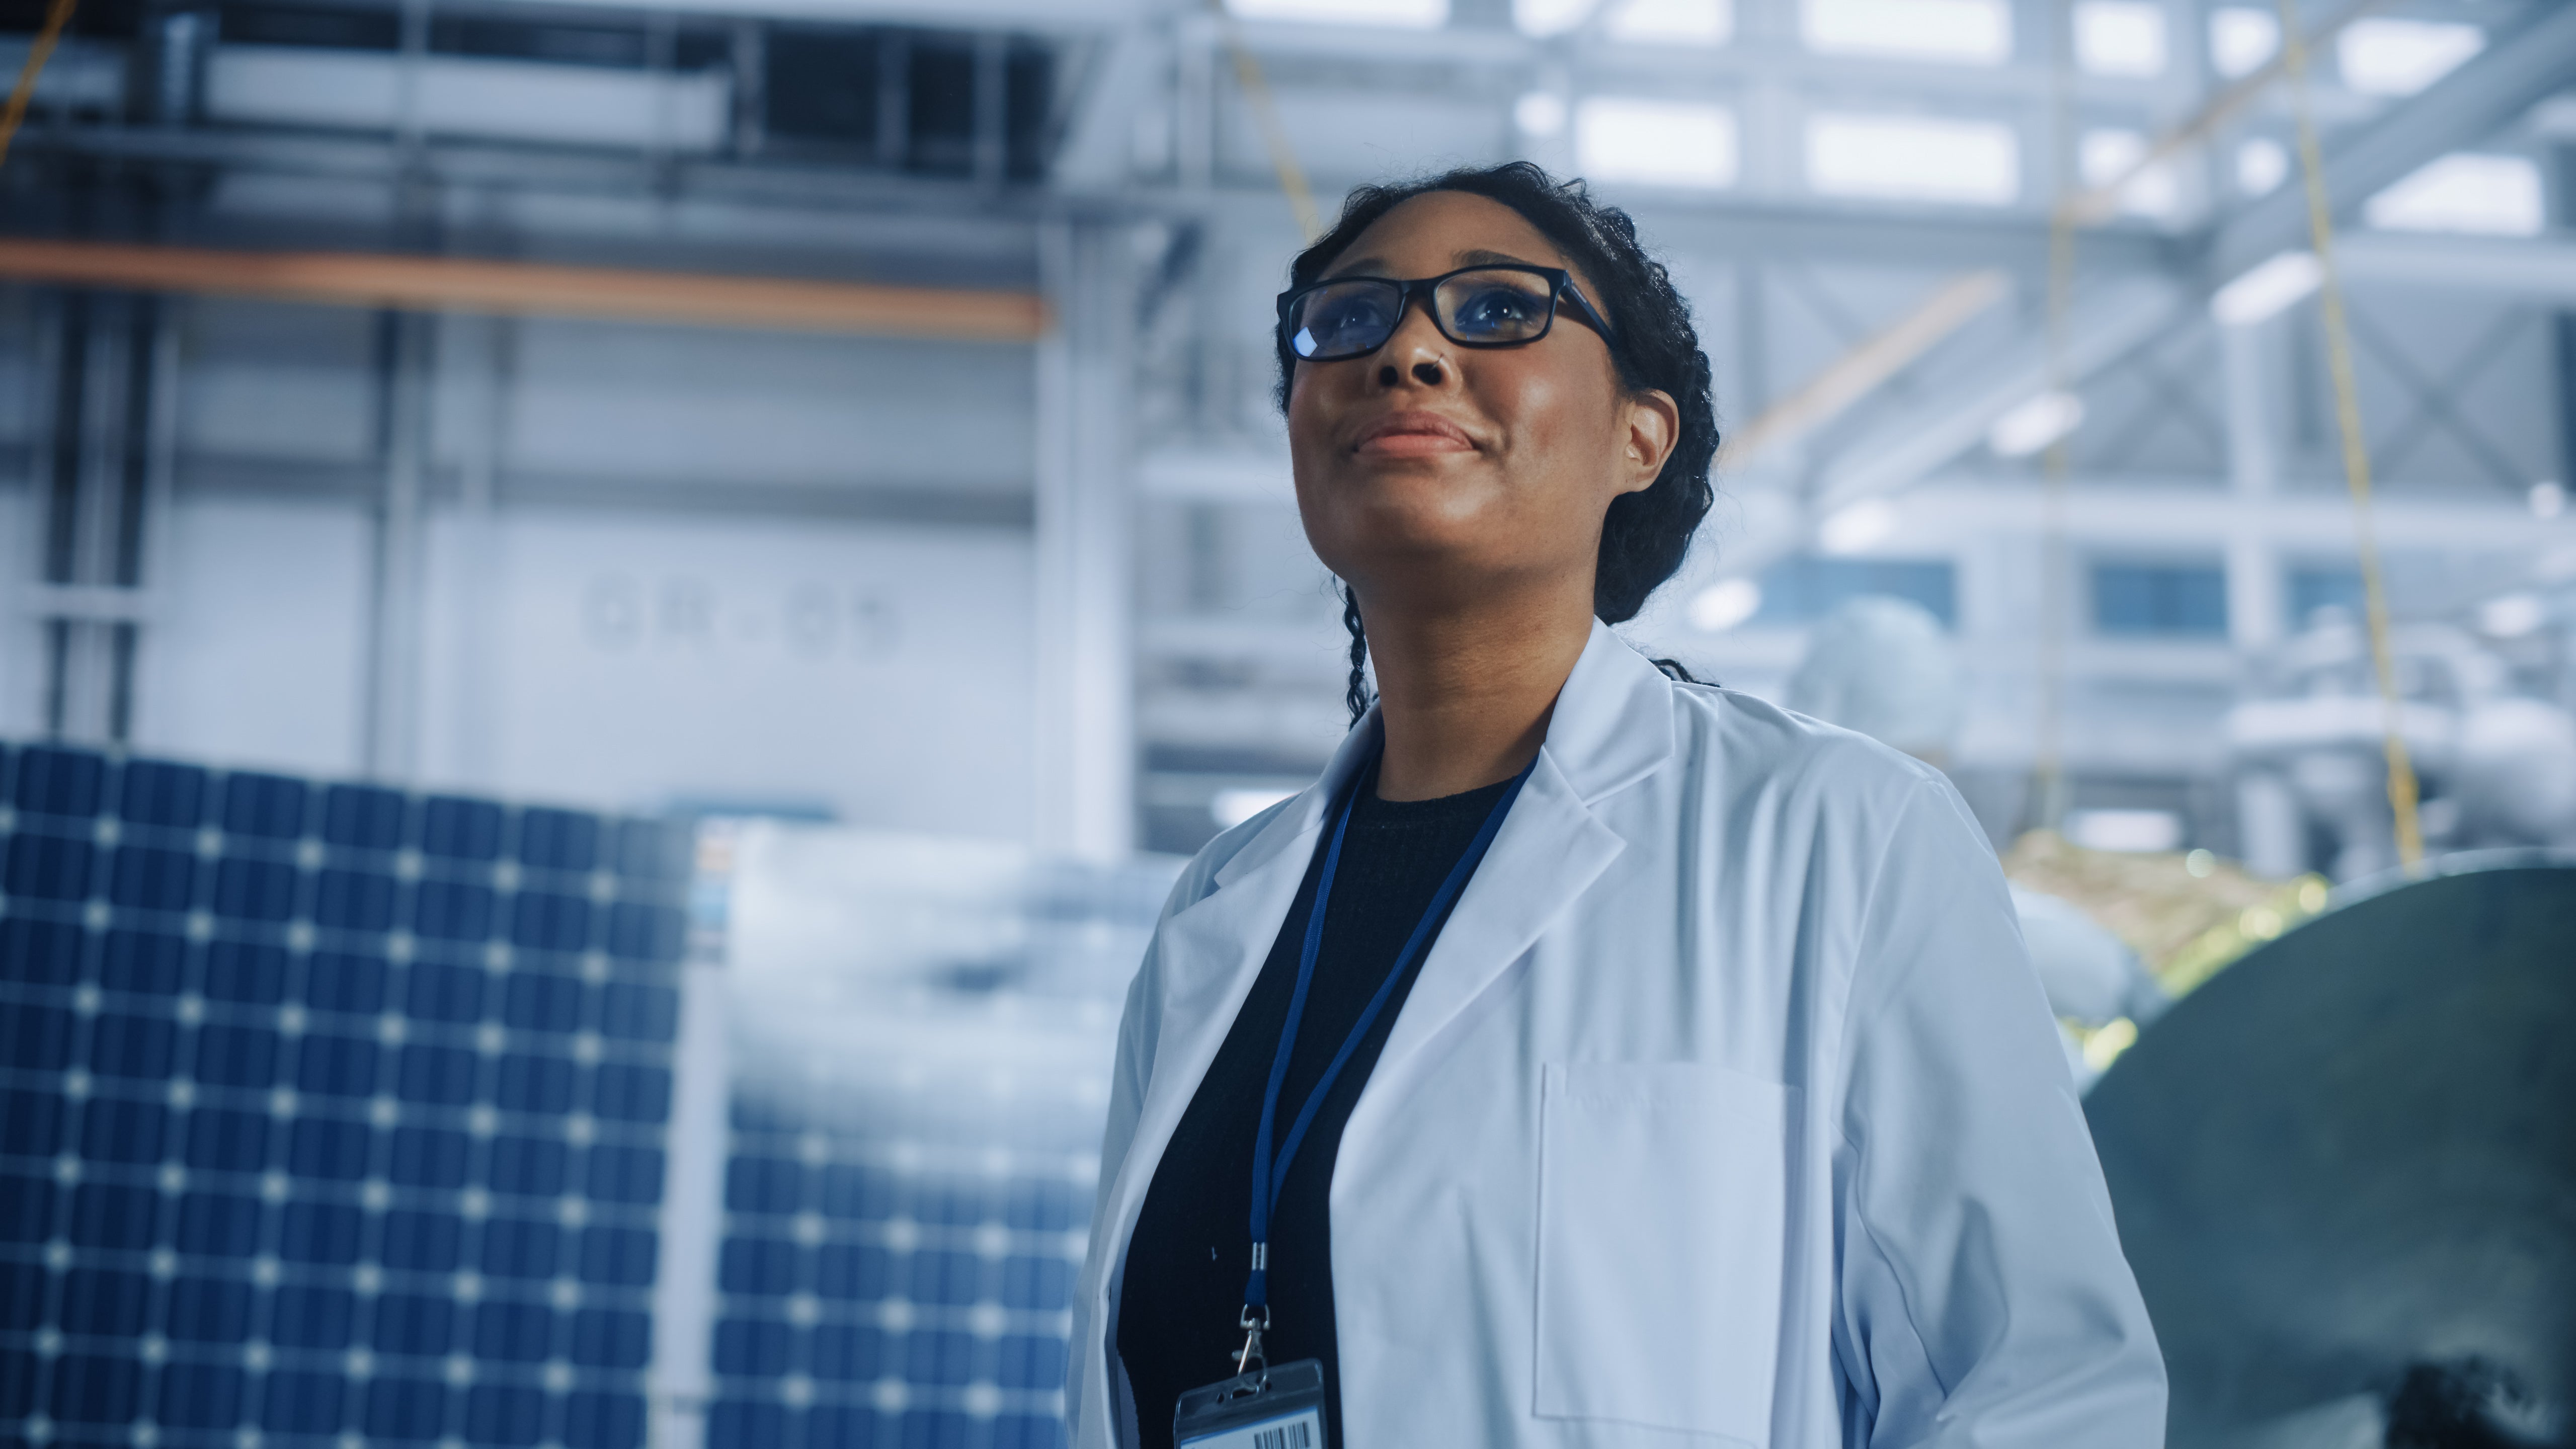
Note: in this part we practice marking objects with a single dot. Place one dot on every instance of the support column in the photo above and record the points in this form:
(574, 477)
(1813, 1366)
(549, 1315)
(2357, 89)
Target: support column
(1086, 689)
(2270, 834)
(389, 750)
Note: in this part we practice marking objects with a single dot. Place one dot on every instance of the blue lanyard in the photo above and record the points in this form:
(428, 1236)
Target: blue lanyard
(1268, 1174)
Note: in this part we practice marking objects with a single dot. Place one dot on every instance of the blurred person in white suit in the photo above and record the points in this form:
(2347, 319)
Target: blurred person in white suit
(1589, 1057)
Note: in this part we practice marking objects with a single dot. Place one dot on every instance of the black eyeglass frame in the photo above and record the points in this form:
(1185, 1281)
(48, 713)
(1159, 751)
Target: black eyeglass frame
(1561, 286)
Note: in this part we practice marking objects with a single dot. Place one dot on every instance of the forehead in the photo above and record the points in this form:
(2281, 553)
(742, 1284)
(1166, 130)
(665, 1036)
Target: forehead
(1438, 230)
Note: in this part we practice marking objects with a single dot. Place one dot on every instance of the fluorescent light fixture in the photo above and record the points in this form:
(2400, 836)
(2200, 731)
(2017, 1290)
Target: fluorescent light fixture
(1551, 17)
(1230, 808)
(2548, 498)
(2510, 616)
(2034, 424)
(1913, 158)
(1724, 604)
(2105, 156)
(2242, 41)
(1392, 14)
(2265, 289)
(1673, 22)
(2261, 164)
(2464, 192)
(1540, 113)
(1857, 527)
(1961, 32)
(2124, 830)
(2401, 57)
(2120, 37)
(1661, 143)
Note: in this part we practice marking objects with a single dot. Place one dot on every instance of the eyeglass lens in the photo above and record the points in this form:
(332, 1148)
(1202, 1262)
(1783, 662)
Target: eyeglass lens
(1482, 308)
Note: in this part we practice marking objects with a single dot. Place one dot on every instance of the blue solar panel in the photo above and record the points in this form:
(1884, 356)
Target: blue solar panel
(328, 1112)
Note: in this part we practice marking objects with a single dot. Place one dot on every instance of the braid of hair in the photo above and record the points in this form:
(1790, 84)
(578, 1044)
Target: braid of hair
(1357, 696)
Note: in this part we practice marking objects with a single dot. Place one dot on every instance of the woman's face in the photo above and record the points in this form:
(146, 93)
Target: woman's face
(1433, 473)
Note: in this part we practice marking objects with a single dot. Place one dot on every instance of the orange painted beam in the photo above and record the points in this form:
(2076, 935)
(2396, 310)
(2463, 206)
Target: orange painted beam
(459, 284)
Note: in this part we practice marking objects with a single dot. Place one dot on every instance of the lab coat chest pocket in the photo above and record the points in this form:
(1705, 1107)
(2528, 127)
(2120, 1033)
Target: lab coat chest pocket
(1662, 1209)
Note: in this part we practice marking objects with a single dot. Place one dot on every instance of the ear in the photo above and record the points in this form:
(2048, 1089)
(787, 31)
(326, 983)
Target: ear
(1650, 425)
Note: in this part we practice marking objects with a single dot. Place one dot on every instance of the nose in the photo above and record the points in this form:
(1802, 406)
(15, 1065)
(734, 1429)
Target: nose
(1415, 349)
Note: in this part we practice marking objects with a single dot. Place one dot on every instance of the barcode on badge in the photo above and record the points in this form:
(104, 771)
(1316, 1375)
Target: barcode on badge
(1286, 1436)
(1302, 1428)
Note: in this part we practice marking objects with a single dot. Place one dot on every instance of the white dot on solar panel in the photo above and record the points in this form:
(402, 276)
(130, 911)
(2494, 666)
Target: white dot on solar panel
(407, 864)
(273, 1185)
(384, 1111)
(246, 1439)
(998, 1161)
(85, 1001)
(993, 1240)
(353, 1441)
(482, 1121)
(983, 1401)
(165, 1264)
(376, 1193)
(469, 1286)
(474, 1202)
(191, 1007)
(496, 956)
(290, 1019)
(210, 841)
(813, 1149)
(894, 1315)
(97, 915)
(571, 1211)
(58, 1254)
(153, 1347)
(173, 1177)
(987, 1320)
(902, 1234)
(460, 1369)
(201, 926)
(360, 1363)
(505, 875)
(181, 1093)
(299, 935)
(797, 1390)
(367, 1280)
(145, 1433)
(398, 946)
(558, 1375)
(891, 1395)
(255, 1355)
(594, 966)
(803, 1309)
(489, 1039)
(281, 1102)
(263, 1270)
(585, 1046)
(603, 886)
(308, 853)
(1076, 1244)
(391, 1028)
(565, 1293)
(49, 1341)
(580, 1128)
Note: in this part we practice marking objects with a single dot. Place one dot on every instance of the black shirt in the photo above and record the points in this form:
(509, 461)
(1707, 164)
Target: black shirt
(1186, 1262)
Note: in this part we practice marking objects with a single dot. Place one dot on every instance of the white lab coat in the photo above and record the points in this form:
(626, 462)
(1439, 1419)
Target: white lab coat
(1726, 1109)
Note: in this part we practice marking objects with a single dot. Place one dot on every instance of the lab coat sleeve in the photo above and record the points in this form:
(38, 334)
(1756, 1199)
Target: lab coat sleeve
(1983, 1300)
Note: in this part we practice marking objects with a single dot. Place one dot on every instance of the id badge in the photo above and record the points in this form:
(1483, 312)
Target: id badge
(1280, 1407)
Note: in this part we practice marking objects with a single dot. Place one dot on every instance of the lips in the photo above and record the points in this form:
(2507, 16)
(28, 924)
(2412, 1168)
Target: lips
(1412, 434)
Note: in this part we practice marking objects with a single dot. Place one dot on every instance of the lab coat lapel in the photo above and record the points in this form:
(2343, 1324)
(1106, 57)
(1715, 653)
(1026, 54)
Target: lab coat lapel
(1612, 727)
(1210, 951)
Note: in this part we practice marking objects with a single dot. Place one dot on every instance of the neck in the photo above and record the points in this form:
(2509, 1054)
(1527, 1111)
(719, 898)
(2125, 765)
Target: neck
(1465, 695)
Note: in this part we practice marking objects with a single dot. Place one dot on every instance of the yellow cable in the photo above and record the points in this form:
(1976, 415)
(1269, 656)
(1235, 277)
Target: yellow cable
(57, 15)
(2356, 450)
(1274, 133)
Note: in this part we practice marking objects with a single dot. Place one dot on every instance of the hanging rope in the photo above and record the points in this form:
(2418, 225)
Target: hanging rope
(2402, 792)
(1274, 132)
(57, 16)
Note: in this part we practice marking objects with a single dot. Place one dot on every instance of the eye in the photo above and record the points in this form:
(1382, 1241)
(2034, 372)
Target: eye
(1345, 311)
(1498, 307)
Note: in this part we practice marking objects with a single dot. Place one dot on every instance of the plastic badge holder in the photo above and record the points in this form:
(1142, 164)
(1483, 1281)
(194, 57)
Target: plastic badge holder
(1268, 1408)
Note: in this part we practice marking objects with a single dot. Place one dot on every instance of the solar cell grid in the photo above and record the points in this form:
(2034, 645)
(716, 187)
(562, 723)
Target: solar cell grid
(325, 1110)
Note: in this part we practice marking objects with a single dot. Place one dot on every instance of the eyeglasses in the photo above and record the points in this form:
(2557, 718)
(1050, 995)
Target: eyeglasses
(1490, 306)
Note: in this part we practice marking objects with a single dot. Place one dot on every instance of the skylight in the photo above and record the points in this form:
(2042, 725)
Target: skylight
(1672, 22)
(2242, 41)
(1660, 143)
(1913, 158)
(2401, 57)
(1394, 14)
(2120, 37)
(1551, 17)
(2103, 157)
(2464, 192)
(2261, 164)
(1964, 32)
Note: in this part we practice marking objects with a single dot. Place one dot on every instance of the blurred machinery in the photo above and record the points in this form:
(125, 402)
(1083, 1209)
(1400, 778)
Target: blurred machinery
(2345, 1177)
(2498, 768)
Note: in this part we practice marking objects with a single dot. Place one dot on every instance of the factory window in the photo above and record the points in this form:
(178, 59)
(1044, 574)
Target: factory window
(1671, 22)
(1406, 14)
(2482, 195)
(1805, 588)
(2242, 40)
(2160, 599)
(1970, 32)
(2120, 37)
(2330, 586)
(2390, 57)
(1660, 143)
(2108, 157)
(1911, 158)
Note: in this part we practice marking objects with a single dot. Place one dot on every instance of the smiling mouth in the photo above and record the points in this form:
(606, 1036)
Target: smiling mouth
(1412, 436)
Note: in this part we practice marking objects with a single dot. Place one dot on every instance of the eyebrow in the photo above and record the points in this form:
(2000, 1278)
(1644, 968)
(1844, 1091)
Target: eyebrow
(1477, 257)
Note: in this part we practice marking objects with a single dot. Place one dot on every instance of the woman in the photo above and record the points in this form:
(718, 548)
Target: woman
(1665, 1067)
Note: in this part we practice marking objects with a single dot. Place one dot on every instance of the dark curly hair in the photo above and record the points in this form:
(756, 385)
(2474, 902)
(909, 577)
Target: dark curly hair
(1652, 343)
